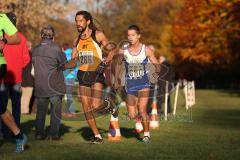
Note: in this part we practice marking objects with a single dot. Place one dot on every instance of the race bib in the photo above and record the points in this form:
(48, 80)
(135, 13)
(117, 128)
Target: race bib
(86, 57)
(135, 71)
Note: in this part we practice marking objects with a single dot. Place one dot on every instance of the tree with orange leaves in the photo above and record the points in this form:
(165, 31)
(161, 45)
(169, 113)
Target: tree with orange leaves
(203, 30)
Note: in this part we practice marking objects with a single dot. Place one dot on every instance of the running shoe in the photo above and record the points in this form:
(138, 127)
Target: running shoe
(146, 139)
(21, 143)
(96, 140)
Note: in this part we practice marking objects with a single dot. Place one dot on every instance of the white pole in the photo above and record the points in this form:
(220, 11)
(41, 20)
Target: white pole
(166, 99)
(191, 94)
(175, 100)
(155, 93)
(186, 90)
(194, 96)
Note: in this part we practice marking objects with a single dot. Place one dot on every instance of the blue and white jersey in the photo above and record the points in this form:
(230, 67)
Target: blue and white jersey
(136, 76)
(135, 65)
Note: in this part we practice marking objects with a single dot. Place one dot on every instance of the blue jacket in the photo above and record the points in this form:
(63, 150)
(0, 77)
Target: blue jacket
(70, 74)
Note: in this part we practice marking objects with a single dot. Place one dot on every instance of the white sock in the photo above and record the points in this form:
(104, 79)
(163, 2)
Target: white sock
(98, 136)
(146, 134)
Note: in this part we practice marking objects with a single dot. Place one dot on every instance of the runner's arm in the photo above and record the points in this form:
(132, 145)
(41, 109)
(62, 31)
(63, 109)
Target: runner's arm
(11, 31)
(117, 67)
(74, 50)
(153, 59)
(73, 62)
(14, 39)
(100, 36)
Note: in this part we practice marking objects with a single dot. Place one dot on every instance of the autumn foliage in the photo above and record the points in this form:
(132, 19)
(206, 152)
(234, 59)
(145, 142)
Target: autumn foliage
(203, 29)
(200, 37)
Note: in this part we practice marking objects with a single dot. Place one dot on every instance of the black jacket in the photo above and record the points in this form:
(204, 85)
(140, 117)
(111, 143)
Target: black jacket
(49, 81)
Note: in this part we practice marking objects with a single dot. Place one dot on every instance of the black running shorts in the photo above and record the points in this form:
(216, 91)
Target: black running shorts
(88, 78)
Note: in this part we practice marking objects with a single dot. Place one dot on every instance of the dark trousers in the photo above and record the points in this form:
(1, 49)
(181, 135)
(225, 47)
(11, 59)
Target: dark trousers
(42, 108)
(12, 91)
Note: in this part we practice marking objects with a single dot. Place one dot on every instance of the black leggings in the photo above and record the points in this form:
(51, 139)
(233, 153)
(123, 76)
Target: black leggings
(3, 70)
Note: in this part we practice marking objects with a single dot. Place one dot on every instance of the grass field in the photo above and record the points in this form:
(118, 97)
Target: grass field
(211, 131)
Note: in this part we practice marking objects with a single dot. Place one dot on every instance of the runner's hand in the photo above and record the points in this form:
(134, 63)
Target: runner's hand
(74, 53)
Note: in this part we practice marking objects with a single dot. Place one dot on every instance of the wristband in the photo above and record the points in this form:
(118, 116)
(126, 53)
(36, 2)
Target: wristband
(4, 40)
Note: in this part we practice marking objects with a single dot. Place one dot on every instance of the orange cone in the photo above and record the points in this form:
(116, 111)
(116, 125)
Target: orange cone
(114, 133)
(139, 126)
(154, 122)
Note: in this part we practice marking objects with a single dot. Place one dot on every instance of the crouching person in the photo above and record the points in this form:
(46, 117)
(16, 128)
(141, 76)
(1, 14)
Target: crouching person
(49, 83)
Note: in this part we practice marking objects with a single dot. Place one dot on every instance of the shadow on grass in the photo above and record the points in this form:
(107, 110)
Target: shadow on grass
(221, 118)
(130, 133)
(29, 126)
(87, 134)
(232, 92)
(63, 129)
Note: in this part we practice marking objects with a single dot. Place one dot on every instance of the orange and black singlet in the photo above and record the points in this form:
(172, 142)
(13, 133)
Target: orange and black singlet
(89, 54)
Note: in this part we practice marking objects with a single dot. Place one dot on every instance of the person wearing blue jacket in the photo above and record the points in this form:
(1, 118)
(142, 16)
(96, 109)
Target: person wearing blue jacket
(70, 77)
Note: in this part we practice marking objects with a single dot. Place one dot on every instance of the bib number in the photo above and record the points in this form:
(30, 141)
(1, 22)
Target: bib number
(135, 71)
(86, 57)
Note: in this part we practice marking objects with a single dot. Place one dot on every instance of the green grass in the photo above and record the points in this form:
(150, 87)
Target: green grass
(211, 134)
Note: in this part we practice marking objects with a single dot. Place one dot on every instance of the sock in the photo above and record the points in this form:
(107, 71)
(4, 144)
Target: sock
(98, 136)
(19, 136)
(146, 134)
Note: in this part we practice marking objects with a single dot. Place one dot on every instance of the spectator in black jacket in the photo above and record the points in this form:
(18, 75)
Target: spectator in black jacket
(49, 83)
